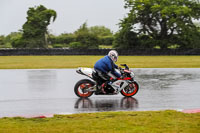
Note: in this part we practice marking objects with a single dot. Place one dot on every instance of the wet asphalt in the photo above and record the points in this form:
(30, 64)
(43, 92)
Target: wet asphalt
(33, 92)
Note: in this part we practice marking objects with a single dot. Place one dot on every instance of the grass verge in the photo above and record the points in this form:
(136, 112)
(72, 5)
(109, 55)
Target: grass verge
(43, 62)
(106, 122)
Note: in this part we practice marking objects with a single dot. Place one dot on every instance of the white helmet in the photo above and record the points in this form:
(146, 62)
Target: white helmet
(113, 55)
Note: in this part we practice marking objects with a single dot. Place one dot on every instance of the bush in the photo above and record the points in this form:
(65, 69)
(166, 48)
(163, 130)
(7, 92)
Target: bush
(2, 40)
(75, 45)
(106, 40)
(62, 39)
(88, 40)
(57, 45)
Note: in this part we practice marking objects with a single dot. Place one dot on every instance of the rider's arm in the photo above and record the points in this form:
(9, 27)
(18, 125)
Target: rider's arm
(115, 66)
(109, 65)
(117, 74)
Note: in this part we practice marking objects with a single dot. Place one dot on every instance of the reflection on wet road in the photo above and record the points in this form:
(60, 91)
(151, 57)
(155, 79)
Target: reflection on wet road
(50, 91)
(87, 104)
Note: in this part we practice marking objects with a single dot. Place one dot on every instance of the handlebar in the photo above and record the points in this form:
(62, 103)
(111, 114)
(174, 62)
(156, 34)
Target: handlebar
(126, 67)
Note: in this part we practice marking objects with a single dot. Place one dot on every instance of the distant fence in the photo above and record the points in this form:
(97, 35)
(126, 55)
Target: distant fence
(60, 51)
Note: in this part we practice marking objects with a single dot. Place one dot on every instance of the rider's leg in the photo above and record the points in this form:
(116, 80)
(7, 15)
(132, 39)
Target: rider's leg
(101, 81)
(112, 77)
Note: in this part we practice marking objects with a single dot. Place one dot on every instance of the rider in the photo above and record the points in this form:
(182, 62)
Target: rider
(105, 67)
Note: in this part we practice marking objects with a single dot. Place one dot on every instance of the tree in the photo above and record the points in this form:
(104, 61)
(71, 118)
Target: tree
(100, 31)
(2, 41)
(35, 28)
(9, 40)
(166, 22)
(126, 38)
(85, 39)
(12, 39)
(104, 34)
(62, 40)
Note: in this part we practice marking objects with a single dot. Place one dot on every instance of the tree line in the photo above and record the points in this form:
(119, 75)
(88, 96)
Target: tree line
(148, 24)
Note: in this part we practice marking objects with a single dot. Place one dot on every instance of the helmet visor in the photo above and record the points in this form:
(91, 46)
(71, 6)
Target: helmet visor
(115, 58)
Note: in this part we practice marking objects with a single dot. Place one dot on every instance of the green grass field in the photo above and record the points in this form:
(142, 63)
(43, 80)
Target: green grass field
(106, 122)
(42, 62)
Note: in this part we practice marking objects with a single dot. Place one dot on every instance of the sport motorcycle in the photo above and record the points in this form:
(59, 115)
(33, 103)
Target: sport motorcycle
(126, 85)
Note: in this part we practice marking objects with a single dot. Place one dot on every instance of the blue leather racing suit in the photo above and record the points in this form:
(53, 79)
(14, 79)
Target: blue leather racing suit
(106, 65)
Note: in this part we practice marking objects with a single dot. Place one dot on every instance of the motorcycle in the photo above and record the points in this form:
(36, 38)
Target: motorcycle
(126, 85)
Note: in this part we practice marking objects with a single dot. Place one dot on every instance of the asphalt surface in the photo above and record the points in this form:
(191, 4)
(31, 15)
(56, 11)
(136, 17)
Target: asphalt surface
(51, 91)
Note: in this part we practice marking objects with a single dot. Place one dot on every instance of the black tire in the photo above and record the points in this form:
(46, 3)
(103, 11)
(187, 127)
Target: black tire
(136, 88)
(78, 89)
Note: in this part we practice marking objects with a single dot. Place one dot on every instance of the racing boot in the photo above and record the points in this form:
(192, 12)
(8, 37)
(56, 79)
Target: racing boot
(102, 88)
(98, 90)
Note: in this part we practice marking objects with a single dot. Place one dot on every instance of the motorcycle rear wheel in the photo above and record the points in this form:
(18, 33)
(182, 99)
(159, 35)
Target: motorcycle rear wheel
(130, 90)
(81, 86)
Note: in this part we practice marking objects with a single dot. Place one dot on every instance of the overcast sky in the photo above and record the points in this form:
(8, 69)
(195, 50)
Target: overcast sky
(71, 14)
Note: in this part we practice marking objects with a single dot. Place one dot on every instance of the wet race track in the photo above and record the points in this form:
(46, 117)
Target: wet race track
(37, 92)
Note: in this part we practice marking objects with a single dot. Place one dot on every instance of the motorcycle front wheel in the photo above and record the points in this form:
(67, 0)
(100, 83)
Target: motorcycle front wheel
(81, 87)
(130, 90)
